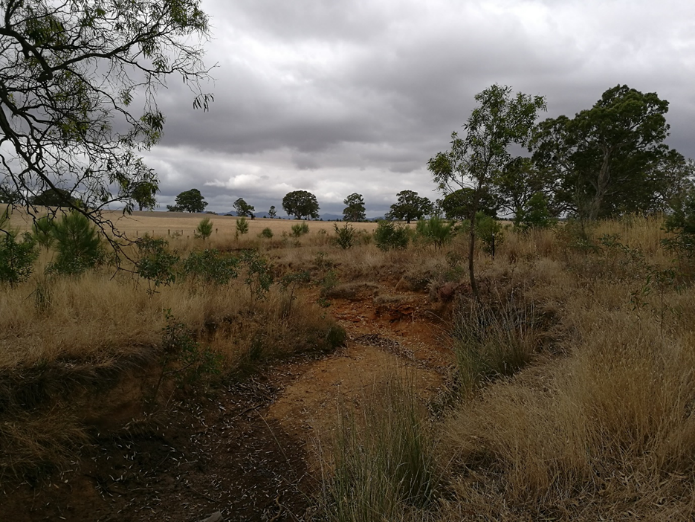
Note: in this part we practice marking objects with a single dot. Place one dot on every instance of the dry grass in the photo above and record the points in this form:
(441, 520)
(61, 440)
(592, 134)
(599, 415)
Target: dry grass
(605, 432)
(595, 423)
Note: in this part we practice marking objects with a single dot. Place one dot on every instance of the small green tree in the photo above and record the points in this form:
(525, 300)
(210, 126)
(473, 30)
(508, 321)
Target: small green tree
(535, 214)
(435, 230)
(16, 257)
(43, 232)
(388, 236)
(299, 229)
(272, 213)
(475, 160)
(266, 233)
(204, 229)
(681, 223)
(242, 227)
(155, 263)
(78, 244)
(345, 236)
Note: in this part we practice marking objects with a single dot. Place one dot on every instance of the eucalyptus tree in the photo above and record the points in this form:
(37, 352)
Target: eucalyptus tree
(355, 209)
(477, 158)
(612, 159)
(78, 86)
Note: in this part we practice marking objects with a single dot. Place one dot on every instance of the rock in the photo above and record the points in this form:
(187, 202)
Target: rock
(215, 517)
(447, 291)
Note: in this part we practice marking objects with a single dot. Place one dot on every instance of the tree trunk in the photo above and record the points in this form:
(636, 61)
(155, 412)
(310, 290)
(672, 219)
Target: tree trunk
(604, 178)
(471, 252)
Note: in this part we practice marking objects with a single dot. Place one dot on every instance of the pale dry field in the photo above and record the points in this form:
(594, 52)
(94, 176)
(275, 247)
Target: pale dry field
(163, 224)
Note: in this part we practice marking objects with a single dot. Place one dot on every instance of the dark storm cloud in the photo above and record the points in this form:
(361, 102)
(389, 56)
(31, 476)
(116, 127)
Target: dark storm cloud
(356, 96)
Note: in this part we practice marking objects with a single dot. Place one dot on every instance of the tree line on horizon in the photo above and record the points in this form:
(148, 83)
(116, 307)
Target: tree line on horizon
(606, 161)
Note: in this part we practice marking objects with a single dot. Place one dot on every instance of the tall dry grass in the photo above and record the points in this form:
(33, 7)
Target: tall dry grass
(381, 464)
(605, 431)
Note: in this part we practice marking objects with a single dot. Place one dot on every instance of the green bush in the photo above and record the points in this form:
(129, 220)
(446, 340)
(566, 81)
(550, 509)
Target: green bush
(183, 358)
(16, 257)
(155, 262)
(43, 232)
(242, 226)
(536, 214)
(211, 266)
(78, 244)
(204, 229)
(435, 230)
(259, 275)
(345, 237)
(300, 229)
(267, 233)
(488, 231)
(388, 236)
(681, 223)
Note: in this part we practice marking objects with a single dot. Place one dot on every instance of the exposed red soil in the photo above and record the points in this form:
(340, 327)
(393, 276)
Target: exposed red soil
(247, 450)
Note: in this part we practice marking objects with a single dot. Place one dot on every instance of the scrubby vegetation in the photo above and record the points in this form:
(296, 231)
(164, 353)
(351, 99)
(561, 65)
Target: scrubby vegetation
(571, 378)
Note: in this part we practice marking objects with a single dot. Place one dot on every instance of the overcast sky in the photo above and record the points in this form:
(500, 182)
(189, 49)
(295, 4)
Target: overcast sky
(336, 97)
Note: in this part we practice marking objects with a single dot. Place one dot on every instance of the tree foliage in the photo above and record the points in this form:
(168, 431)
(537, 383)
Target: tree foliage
(458, 204)
(54, 198)
(16, 257)
(355, 209)
(78, 244)
(410, 206)
(78, 85)
(301, 204)
(272, 213)
(189, 201)
(476, 159)
(611, 159)
(204, 229)
(144, 195)
(243, 209)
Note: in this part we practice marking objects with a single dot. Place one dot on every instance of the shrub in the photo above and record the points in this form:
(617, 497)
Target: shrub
(43, 232)
(389, 236)
(16, 257)
(204, 229)
(267, 233)
(488, 231)
(242, 226)
(183, 357)
(259, 275)
(300, 229)
(536, 214)
(345, 236)
(435, 230)
(156, 263)
(78, 244)
(681, 223)
(211, 266)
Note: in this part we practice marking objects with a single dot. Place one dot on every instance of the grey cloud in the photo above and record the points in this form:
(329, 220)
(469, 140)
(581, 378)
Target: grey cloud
(342, 97)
